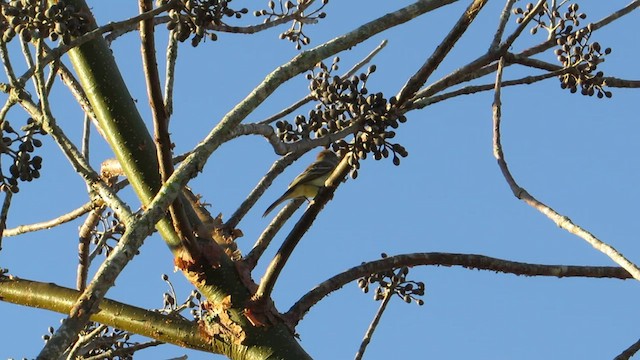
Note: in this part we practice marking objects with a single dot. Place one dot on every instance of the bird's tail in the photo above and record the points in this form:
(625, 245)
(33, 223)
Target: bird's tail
(277, 202)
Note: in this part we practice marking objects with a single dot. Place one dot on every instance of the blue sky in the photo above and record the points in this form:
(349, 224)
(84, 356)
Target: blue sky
(576, 154)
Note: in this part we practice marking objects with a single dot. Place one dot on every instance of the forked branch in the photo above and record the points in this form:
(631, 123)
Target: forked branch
(562, 221)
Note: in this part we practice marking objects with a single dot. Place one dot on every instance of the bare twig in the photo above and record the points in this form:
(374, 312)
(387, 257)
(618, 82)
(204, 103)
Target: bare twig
(504, 18)
(84, 340)
(374, 323)
(8, 195)
(422, 75)
(97, 249)
(621, 83)
(52, 77)
(86, 135)
(156, 102)
(172, 56)
(162, 138)
(473, 70)
(123, 352)
(84, 236)
(6, 107)
(472, 89)
(129, 27)
(504, 47)
(87, 303)
(79, 163)
(252, 258)
(608, 81)
(469, 261)
(560, 220)
(78, 93)
(6, 62)
(28, 58)
(72, 215)
(365, 60)
(629, 352)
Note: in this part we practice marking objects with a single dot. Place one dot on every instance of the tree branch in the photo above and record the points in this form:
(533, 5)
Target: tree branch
(472, 89)
(171, 329)
(162, 138)
(270, 232)
(504, 18)
(6, 203)
(418, 79)
(504, 47)
(124, 352)
(595, 26)
(468, 261)
(6, 63)
(170, 75)
(79, 163)
(225, 282)
(251, 29)
(309, 97)
(57, 52)
(72, 215)
(608, 81)
(629, 352)
(299, 229)
(560, 220)
(276, 169)
(374, 323)
(84, 235)
(482, 65)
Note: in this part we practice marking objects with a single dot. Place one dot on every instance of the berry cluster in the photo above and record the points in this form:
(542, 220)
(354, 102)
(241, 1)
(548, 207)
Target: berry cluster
(19, 147)
(576, 53)
(32, 19)
(343, 103)
(108, 232)
(193, 301)
(195, 17)
(288, 8)
(394, 281)
(103, 342)
(550, 18)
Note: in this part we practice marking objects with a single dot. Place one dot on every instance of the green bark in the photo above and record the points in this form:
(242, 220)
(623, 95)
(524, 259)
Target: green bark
(171, 329)
(133, 146)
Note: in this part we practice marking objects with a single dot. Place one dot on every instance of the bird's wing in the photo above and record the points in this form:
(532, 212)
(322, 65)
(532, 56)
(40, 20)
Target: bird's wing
(315, 171)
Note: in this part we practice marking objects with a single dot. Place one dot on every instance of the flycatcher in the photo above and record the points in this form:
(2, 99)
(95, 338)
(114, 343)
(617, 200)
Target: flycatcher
(307, 184)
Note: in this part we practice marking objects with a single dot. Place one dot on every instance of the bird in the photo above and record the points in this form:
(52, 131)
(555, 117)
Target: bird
(308, 183)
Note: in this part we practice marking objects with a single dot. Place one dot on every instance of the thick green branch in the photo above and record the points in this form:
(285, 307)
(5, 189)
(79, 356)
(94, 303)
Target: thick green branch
(132, 144)
(170, 329)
